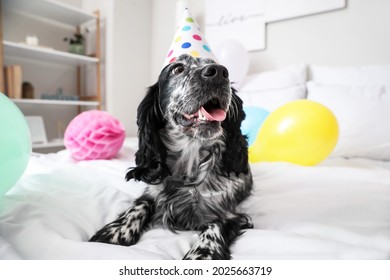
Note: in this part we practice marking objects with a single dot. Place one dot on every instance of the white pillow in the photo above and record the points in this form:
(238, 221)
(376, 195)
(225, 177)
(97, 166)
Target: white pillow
(363, 113)
(375, 75)
(270, 90)
(279, 79)
(272, 99)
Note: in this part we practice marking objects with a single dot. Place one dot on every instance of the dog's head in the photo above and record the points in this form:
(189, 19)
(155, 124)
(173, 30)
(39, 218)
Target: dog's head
(193, 96)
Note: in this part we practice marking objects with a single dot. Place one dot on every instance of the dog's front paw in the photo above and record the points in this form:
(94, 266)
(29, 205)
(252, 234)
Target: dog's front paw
(206, 253)
(116, 233)
(209, 246)
(126, 229)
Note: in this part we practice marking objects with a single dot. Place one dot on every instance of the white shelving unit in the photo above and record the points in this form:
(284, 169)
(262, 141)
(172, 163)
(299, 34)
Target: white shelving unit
(56, 102)
(52, 12)
(56, 143)
(41, 53)
(50, 9)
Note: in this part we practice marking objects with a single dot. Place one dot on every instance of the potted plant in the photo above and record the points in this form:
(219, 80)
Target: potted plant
(76, 43)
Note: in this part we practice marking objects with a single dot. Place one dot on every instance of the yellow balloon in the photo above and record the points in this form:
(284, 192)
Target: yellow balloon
(302, 132)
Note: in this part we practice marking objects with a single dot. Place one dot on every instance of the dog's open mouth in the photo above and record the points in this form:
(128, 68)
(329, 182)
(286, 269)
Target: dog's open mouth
(209, 112)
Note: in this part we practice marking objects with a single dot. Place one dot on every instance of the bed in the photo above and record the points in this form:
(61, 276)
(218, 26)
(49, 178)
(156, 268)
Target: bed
(338, 209)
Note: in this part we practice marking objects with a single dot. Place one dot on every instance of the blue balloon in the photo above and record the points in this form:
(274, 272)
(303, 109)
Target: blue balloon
(255, 117)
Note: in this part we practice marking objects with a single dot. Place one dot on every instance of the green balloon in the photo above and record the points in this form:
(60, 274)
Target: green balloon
(15, 144)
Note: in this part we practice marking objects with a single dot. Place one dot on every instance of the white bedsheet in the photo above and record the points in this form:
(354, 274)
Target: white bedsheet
(339, 209)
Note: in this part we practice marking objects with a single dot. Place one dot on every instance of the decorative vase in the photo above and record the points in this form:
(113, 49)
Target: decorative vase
(76, 49)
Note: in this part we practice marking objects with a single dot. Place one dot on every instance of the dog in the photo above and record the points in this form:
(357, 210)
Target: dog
(194, 159)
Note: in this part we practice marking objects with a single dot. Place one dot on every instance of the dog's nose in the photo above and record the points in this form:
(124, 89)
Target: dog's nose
(215, 71)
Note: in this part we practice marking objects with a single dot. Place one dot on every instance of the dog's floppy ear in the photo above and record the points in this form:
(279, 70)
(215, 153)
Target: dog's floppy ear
(151, 155)
(235, 157)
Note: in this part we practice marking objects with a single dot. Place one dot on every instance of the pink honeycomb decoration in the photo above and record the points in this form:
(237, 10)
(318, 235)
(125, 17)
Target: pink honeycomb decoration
(94, 135)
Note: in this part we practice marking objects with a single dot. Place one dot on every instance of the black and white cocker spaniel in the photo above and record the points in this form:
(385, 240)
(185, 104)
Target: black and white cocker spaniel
(194, 159)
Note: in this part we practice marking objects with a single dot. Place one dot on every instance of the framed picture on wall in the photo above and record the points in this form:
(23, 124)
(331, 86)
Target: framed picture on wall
(246, 20)
(231, 19)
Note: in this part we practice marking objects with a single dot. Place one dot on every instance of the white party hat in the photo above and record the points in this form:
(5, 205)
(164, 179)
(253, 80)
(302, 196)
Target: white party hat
(189, 40)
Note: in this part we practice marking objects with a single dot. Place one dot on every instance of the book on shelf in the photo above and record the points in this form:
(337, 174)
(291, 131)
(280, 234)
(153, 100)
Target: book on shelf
(13, 81)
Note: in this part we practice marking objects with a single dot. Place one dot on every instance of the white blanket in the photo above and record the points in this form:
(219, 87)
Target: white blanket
(336, 210)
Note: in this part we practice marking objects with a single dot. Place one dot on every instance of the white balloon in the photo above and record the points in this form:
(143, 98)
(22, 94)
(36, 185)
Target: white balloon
(234, 56)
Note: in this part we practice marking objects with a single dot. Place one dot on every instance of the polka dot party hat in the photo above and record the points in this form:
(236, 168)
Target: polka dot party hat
(189, 40)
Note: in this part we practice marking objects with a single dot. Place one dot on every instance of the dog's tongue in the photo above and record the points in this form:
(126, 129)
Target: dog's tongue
(213, 114)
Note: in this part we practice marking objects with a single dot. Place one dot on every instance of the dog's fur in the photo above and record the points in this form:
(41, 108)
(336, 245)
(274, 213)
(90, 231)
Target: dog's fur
(196, 169)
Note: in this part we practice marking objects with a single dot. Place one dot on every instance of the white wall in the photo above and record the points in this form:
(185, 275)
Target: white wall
(139, 33)
(356, 35)
(128, 58)
(162, 32)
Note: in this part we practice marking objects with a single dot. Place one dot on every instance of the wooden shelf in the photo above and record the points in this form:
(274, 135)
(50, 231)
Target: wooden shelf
(50, 9)
(56, 102)
(45, 54)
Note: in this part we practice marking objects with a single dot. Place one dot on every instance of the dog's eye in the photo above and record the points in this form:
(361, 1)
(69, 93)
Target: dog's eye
(178, 69)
